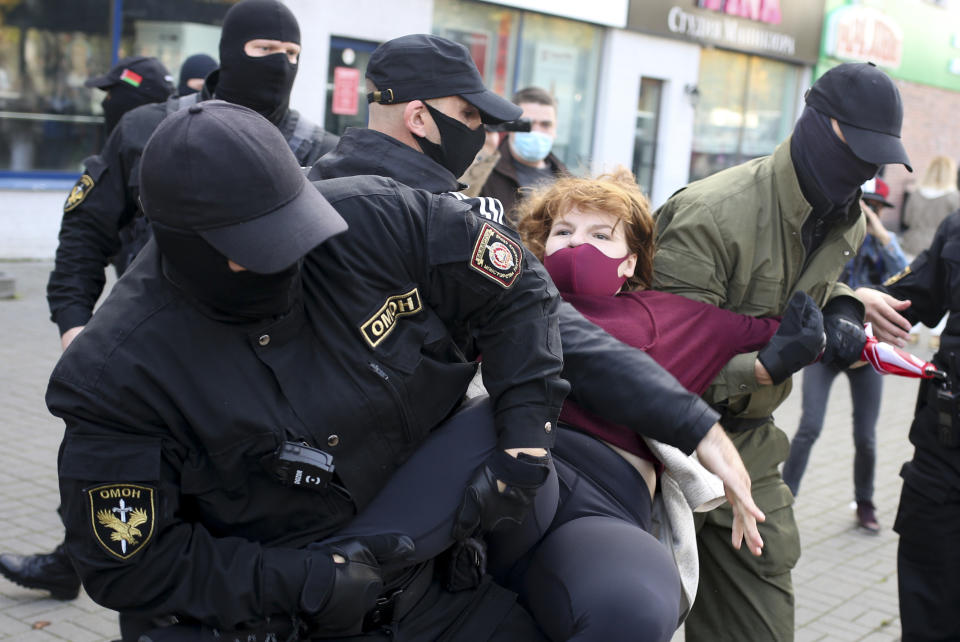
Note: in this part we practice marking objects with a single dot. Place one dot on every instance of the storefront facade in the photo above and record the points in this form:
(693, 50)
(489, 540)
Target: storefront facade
(515, 44)
(728, 78)
(49, 122)
(917, 42)
(556, 44)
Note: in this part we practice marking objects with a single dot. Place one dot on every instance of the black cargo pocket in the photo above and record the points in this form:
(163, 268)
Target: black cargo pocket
(110, 459)
(119, 509)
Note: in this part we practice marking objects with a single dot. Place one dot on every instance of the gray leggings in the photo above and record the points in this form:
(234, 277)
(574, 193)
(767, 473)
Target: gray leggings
(866, 389)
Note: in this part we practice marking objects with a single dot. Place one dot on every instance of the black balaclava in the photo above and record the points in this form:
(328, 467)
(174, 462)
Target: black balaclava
(827, 168)
(120, 99)
(196, 66)
(459, 144)
(199, 270)
(262, 84)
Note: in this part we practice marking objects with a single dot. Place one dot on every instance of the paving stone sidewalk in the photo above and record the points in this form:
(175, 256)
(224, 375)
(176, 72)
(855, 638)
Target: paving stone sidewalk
(846, 579)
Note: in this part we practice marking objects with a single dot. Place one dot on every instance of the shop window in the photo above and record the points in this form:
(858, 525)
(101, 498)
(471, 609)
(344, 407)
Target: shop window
(563, 57)
(645, 134)
(746, 108)
(517, 49)
(489, 32)
(49, 122)
(346, 92)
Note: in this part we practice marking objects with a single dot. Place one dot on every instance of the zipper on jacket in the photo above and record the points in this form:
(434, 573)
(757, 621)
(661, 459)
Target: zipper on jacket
(397, 399)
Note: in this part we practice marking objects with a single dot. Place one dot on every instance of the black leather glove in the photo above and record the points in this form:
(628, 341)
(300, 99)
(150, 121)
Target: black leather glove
(484, 508)
(338, 605)
(846, 337)
(799, 339)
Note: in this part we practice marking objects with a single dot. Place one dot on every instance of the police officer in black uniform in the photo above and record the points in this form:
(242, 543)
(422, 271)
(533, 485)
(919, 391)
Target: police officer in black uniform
(928, 518)
(239, 397)
(427, 102)
(132, 82)
(259, 53)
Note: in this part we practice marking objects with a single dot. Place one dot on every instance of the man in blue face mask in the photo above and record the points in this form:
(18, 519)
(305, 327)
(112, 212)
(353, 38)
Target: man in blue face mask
(526, 158)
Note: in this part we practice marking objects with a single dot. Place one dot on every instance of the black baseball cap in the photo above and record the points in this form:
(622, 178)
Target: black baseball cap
(421, 66)
(145, 74)
(225, 173)
(868, 108)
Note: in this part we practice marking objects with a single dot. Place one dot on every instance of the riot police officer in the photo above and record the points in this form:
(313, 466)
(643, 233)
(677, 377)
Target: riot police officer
(132, 82)
(259, 60)
(928, 518)
(427, 102)
(239, 396)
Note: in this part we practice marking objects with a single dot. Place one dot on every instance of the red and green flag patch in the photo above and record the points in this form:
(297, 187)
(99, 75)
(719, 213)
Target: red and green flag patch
(131, 77)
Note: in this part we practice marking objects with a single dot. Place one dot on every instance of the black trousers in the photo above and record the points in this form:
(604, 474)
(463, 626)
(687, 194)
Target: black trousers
(598, 574)
(928, 555)
(583, 562)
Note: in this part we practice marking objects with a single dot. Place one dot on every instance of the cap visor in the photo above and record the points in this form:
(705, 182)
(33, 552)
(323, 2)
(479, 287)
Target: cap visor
(876, 197)
(275, 241)
(100, 82)
(493, 108)
(874, 147)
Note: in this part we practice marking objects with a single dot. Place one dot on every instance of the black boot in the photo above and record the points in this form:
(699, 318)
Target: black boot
(47, 571)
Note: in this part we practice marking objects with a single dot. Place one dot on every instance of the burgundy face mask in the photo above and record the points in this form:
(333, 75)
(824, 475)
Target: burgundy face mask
(584, 270)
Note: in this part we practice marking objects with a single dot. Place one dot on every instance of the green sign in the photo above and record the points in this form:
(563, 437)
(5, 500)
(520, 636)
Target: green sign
(911, 40)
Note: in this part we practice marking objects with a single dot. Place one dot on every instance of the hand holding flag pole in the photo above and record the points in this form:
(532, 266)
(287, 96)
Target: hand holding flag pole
(889, 359)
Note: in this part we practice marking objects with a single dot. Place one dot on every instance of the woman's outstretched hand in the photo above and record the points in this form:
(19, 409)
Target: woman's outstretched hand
(718, 455)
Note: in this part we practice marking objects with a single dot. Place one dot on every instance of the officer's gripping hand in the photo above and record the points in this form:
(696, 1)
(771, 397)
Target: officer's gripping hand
(798, 341)
(500, 493)
(353, 580)
(845, 334)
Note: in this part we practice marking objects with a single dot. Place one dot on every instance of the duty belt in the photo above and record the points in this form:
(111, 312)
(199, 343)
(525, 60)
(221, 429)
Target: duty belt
(393, 605)
(741, 424)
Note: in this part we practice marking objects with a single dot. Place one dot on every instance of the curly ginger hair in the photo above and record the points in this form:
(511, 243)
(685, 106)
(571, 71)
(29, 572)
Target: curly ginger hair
(615, 193)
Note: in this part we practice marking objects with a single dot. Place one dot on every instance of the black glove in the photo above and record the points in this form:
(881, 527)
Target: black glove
(845, 335)
(799, 339)
(338, 605)
(484, 508)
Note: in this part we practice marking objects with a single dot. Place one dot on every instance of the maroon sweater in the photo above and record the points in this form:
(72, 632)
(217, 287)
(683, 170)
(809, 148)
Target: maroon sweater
(691, 340)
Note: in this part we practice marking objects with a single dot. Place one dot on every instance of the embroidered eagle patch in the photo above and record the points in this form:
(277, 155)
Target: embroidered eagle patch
(122, 517)
(79, 192)
(497, 256)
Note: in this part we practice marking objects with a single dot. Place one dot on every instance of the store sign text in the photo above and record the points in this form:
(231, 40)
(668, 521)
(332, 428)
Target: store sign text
(865, 35)
(760, 10)
(729, 32)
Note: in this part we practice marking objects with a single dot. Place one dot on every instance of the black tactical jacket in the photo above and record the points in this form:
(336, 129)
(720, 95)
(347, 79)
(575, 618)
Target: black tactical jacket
(932, 284)
(101, 217)
(618, 382)
(173, 409)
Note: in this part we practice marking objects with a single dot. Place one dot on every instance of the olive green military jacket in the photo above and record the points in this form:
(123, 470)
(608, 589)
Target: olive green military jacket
(733, 240)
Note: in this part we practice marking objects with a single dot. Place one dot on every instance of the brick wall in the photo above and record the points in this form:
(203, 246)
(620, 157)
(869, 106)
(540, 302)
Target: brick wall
(929, 129)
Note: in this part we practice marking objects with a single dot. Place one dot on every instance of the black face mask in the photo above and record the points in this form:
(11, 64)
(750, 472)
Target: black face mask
(194, 266)
(120, 99)
(822, 159)
(459, 144)
(262, 84)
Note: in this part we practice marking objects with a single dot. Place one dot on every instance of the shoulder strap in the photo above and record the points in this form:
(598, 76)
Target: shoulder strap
(303, 131)
(180, 102)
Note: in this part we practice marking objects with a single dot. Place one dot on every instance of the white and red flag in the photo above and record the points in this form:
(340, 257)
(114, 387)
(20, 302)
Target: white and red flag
(889, 359)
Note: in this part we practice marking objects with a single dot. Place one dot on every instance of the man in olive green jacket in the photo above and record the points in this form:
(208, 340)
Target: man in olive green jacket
(745, 239)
